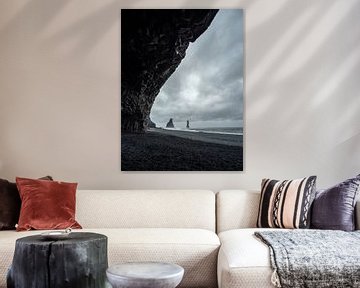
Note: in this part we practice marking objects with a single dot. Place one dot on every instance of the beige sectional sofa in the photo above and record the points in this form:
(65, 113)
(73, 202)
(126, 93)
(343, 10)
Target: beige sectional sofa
(176, 226)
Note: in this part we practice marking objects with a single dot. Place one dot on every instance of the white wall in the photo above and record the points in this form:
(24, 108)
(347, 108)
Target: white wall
(60, 98)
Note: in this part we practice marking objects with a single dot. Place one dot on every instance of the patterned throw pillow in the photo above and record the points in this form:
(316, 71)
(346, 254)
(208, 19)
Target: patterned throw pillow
(286, 204)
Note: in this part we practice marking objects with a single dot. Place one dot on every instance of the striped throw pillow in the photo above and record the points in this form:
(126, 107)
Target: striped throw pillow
(286, 204)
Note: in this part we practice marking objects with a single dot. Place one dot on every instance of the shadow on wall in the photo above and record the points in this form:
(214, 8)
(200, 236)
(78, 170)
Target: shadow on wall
(276, 66)
(46, 11)
(316, 57)
(303, 54)
(215, 4)
(89, 30)
(86, 32)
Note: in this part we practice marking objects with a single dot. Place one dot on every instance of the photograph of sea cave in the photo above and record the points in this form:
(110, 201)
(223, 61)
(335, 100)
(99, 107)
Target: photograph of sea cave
(182, 86)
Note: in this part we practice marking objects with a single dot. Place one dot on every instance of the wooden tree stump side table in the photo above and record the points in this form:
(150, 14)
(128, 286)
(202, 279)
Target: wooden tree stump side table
(78, 261)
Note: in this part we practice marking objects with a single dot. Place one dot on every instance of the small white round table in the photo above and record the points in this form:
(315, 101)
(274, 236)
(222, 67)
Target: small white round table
(145, 275)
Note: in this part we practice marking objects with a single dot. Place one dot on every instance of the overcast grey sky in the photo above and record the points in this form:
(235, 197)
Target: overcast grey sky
(207, 87)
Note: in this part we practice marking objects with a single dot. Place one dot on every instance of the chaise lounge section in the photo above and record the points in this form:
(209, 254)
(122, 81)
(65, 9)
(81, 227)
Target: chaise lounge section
(244, 260)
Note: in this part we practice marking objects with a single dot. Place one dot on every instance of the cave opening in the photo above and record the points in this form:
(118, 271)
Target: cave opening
(153, 44)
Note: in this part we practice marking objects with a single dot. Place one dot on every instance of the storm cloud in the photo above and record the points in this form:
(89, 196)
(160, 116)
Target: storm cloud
(207, 87)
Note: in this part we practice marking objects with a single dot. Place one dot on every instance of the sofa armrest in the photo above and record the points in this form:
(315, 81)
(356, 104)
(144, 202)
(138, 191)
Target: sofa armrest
(357, 215)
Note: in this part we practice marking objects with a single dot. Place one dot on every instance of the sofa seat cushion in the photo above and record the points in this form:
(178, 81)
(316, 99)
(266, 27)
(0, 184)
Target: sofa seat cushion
(194, 249)
(244, 261)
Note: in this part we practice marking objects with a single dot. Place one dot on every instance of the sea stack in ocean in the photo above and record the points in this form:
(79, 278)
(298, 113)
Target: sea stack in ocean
(170, 124)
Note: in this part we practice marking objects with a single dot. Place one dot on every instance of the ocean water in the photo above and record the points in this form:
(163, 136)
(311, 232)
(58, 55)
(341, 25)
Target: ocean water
(215, 130)
(221, 130)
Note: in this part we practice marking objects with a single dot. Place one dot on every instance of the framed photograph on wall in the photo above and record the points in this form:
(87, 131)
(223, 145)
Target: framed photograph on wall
(182, 89)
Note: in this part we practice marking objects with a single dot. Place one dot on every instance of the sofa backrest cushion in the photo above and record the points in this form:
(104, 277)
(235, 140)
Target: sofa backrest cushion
(236, 209)
(146, 209)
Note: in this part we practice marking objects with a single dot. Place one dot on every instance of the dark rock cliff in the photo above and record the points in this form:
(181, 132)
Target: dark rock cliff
(153, 43)
(150, 123)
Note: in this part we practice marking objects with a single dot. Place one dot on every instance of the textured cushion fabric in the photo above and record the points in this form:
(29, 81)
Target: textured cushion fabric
(46, 204)
(194, 249)
(10, 204)
(286, 204)
(244, 261)
(334, 208)
(153, 209)
(236, 209)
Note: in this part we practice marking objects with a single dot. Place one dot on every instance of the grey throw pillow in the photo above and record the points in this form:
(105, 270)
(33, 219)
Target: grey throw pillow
(334, 208)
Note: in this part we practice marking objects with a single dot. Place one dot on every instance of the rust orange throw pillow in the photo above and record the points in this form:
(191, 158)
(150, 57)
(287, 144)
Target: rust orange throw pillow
(10, 204)
(46, 204)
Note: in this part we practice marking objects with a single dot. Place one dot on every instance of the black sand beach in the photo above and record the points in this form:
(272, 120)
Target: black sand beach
(167, 150)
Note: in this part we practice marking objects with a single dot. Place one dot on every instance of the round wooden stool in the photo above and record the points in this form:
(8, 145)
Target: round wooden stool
(80, 260)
